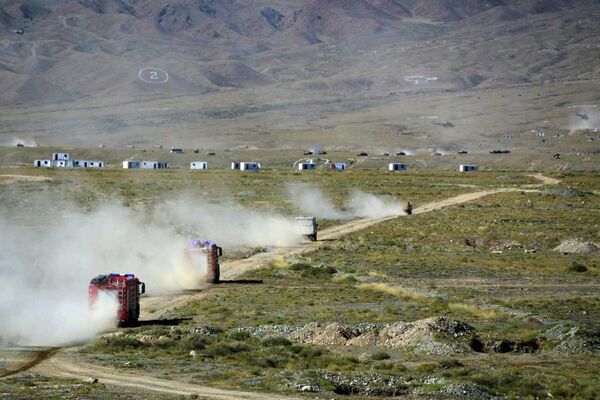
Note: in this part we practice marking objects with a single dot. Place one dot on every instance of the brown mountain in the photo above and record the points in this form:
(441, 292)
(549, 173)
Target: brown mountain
(283, 65)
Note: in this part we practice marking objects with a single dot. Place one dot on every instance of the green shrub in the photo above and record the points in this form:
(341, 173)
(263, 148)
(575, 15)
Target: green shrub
(300, 266)
(276, 341)
(380, 355)
(577, 267)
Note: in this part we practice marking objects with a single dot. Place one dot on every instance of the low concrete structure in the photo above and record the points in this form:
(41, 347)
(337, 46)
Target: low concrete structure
(43, 163)
(307, 166)
(60, 156)
(338, 166)
(154, 165)
(198, 165)
(397, 167)
(466, 168)
(131, 164)
(245, 166)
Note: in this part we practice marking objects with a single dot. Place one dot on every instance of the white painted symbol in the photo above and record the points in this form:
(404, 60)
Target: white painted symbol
(419, 79)
(153, 75)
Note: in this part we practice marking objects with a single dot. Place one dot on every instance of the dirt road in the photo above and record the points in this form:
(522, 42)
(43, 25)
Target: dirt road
(61, 366)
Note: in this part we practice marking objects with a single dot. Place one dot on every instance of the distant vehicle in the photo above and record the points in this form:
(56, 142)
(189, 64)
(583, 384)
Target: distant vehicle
(557, 156)
(400, 153)
(436, 153)
(20, 145)
(386, 154)
(308, 153)
(16, 30)
(322, 152)
(446, 124)
(463, 152)
(210, 154)
(499, 151)
(362, 154)
(126, 289)
(307, 226)
(197, 151)
(176, 150)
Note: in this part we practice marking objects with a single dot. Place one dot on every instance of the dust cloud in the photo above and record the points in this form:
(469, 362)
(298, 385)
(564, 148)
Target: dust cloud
(46, 265)
(229, 224)
(311, 200)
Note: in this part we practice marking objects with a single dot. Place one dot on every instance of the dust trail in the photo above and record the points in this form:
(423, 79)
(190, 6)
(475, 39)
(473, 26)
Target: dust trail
(311, 200)
(46, 264)
(229, 224)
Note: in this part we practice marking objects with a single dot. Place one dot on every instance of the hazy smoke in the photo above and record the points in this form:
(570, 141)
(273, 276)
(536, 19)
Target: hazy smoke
(45, 271)
(17, 140)
(231, 225)
(312, 201)
(366, 205)
(586, 117)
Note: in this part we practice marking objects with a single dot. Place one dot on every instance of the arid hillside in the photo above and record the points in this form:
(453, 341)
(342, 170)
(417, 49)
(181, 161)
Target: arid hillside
(347, 74)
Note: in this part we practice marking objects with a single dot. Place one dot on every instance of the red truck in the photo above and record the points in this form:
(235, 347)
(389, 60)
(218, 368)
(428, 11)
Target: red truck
(212, 252)
(125, 289)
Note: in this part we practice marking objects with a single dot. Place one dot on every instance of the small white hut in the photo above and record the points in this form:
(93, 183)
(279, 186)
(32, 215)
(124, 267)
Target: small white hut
(154, 165)
(198, 165)
(466, 168)
(397, 167)
(131, 164)
(307, 166)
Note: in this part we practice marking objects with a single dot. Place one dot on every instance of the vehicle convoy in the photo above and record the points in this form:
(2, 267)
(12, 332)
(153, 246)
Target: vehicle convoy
(307, 226)
(199, 248)
(125, 289)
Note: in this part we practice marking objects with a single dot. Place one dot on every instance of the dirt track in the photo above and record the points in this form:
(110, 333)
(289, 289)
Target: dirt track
(60, 366)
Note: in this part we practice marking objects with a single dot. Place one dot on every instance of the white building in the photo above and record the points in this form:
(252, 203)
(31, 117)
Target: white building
(465, 168)
(307, 166)
(131, 164)
(245, 166)
(338, 166)
(397, 167)
(43, 163)
(198, 165)
(154, 165)
(60, 156)
(88, 164)
(64, 164)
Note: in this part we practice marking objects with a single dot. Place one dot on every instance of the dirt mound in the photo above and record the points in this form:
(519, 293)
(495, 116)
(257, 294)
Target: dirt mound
(573, 246)
(573, 340)
(436, 335)
(423, 336)
(316, 333)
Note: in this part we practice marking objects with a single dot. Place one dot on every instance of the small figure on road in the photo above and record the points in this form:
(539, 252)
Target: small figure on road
(409, 208)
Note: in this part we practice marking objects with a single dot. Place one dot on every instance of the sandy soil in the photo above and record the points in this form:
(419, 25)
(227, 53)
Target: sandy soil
(8, 179)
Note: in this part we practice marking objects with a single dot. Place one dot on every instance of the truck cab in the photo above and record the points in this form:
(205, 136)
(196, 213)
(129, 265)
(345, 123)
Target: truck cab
(126, 289)
(212, 252)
